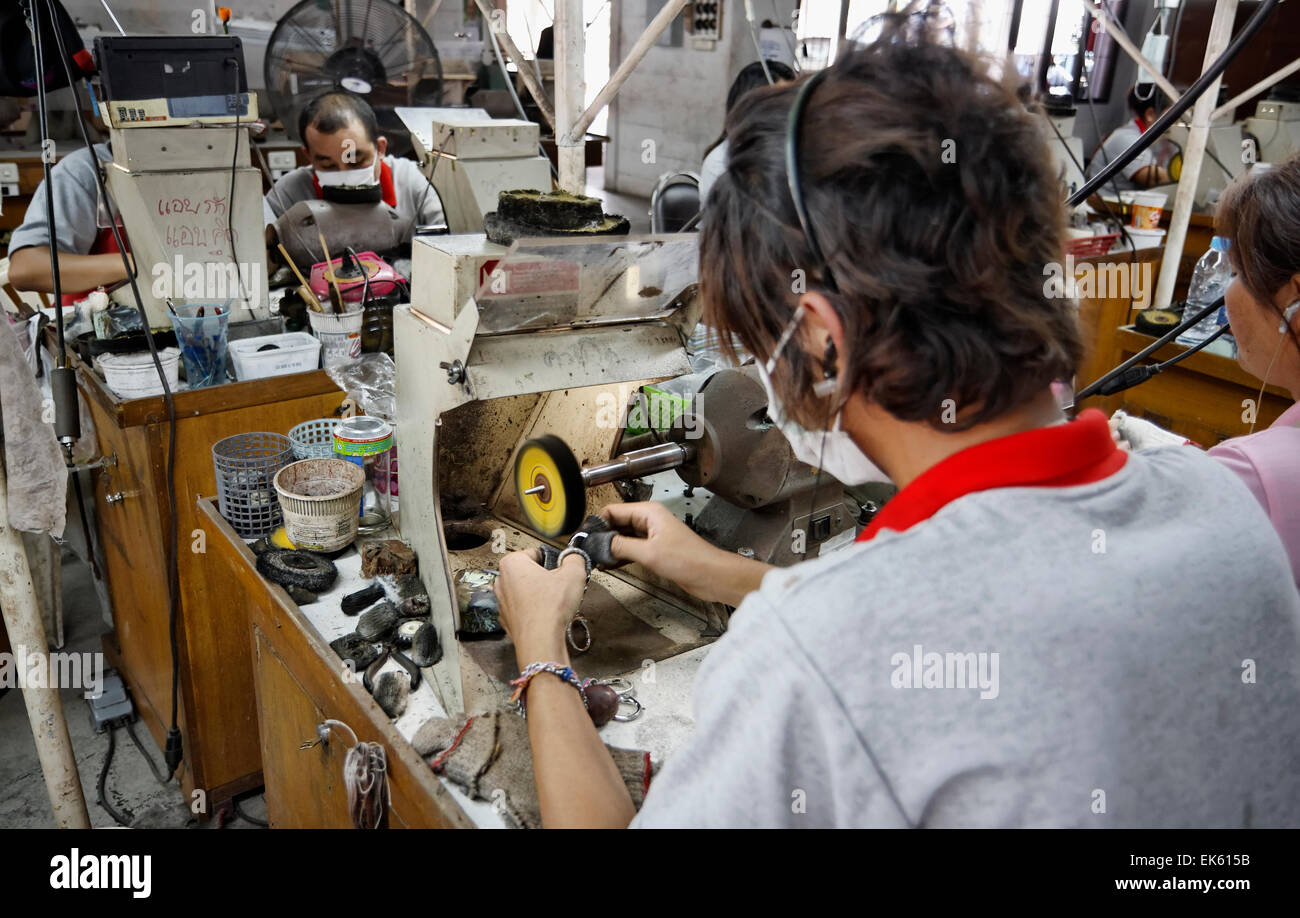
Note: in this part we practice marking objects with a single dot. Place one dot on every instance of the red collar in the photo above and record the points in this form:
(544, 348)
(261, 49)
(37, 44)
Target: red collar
(1077, 453)
(1142, 125)
(387, 186)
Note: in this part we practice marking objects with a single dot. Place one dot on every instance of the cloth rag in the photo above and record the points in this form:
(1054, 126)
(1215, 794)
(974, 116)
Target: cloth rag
(490, 758)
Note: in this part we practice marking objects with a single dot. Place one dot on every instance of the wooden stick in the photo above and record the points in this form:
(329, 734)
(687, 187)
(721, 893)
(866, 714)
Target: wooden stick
(1117, 35)
(1255, 90)
(22, 619)
(336, 302)
(312, 300)
(530, 79)
(576, 133)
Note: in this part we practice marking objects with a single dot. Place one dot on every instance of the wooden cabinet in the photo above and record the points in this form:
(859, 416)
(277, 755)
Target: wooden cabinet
(217, 711)
(299, 685)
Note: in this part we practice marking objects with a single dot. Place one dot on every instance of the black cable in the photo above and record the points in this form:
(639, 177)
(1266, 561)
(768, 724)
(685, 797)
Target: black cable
(1109, 213)
(1140, 374)
(42, 108)
(230, 203)
(174, 746)
(100, 798)
(1094, 387)
(130, 731)
(91, 554)
(1184, 102)
(365, 275)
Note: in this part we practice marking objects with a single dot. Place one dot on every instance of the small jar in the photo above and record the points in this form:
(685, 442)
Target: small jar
(368, 442)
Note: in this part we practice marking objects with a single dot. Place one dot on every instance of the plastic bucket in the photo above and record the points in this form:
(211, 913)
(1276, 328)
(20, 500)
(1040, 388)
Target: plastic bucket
(134, 375)
(320, 500)
(1146, 238)
(340, 336)
(1147, 206)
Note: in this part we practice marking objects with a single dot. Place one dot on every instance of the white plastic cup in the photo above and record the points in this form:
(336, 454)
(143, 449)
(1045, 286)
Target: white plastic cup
(340, 336)
(1143, 238)
(1147, 208)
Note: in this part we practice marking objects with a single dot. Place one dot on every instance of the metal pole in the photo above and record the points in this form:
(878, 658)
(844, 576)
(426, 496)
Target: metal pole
(651, 34)
(44, 707)
(1225, 11)
(570, 135)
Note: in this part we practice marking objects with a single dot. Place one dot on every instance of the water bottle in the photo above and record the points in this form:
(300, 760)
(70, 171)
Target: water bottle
(1210, 279)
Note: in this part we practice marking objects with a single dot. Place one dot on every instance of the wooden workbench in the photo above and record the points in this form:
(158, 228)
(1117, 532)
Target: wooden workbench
(217, 711)
(299, 684)
(1201, 398)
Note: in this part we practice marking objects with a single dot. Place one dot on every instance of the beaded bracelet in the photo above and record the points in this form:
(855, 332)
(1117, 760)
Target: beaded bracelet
(565, 673)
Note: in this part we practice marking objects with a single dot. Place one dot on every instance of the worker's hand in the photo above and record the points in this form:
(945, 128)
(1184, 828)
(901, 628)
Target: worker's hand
(650, 535)
(536, 605)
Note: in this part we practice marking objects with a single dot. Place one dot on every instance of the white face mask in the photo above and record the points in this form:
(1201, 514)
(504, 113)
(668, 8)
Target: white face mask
(350, 178)
(831, 450)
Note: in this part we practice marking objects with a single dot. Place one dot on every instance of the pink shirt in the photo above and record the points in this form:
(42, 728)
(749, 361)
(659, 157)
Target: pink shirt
(1269, 463)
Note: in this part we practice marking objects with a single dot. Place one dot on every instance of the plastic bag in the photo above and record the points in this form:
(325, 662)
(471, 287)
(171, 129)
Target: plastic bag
(370, 380)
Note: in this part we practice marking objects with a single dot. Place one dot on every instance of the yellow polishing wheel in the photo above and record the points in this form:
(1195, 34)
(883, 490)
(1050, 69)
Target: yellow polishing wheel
(548, 480)
(1175, 167)
(280, 539)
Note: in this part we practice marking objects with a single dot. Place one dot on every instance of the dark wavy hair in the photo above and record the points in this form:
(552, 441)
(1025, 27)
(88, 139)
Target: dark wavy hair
(751, 76)
(931, 188)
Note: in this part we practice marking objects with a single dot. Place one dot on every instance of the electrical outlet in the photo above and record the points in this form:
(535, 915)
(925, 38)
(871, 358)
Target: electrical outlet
(704, 22)
(282, 159)
(113, 706)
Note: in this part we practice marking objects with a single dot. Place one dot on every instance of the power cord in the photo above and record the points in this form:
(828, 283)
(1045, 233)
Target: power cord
(1184, 102)
(100, 796)
(1105, 381)
(173, 751)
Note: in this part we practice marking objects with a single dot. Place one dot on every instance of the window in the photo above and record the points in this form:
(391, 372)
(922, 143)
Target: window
(1062, 51)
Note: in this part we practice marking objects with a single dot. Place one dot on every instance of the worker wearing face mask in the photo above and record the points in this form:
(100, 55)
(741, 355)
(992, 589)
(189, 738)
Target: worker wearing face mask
(349, 165)
(1013, 638)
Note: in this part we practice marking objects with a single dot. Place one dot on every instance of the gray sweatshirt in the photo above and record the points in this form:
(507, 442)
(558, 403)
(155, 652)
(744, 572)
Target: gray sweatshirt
(1118, 654)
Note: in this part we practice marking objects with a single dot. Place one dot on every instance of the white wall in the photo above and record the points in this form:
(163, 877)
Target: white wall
(676, 97)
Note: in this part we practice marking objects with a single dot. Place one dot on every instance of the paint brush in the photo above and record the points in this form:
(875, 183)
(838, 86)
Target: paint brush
(308, 295)
(337, 300)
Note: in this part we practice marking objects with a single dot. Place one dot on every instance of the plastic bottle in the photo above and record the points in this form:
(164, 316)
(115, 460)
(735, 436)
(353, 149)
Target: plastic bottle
(1210, 279)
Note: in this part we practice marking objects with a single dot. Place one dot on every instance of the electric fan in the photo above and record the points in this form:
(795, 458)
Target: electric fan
(373, 48)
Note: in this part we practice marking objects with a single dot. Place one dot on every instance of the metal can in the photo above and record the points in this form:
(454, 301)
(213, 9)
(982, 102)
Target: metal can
(368, 442)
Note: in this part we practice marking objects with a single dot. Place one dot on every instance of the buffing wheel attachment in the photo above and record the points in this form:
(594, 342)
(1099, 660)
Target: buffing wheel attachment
(1156, 322)
(548, 468)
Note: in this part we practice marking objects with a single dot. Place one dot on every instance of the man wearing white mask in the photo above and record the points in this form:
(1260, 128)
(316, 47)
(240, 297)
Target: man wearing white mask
(349, 164)
(1015, 637)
